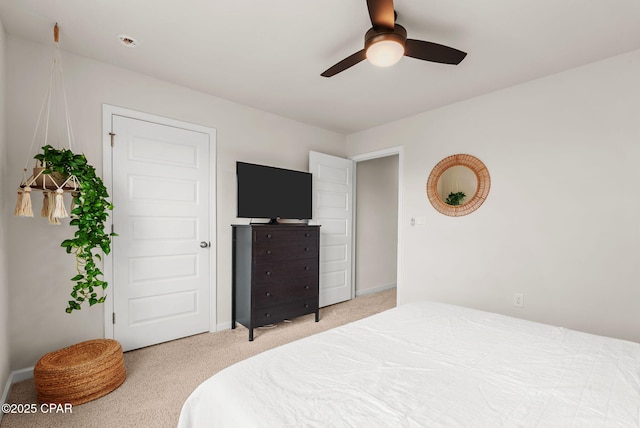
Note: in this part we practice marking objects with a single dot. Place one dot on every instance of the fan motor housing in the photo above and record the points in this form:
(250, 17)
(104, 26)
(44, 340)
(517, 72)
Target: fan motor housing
(373, 36)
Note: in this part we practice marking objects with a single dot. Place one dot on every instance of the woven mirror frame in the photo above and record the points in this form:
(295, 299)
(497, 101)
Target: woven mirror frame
(482, 189)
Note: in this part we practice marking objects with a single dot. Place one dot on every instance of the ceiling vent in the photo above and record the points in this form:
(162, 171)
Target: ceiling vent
(128, 41)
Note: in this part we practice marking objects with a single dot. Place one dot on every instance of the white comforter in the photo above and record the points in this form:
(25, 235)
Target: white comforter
(429, 365)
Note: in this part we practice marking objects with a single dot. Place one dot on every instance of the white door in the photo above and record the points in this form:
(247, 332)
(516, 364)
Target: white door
(333, 210)
(162, 268)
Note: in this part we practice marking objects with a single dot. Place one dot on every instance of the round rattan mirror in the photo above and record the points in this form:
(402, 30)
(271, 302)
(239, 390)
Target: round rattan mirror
(475, 193)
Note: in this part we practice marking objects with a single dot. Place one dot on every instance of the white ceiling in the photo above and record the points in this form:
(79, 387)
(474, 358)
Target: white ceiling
(269, 54)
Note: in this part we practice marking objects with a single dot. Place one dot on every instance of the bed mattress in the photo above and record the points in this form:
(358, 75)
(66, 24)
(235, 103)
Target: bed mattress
(428, 364)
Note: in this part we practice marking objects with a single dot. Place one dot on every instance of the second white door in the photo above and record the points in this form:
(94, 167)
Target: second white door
(333, 210)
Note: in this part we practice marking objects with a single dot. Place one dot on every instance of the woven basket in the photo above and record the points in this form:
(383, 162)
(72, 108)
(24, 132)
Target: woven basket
(80, 373)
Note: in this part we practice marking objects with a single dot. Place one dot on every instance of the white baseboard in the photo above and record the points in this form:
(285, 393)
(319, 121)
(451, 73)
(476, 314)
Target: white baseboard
(375, 289)
(15, 376)
(5, 394)
(22, 374)
(223, 326)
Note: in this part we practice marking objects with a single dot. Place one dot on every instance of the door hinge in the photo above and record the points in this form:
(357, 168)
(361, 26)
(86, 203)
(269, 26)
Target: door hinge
(112, 138)
(113, 317)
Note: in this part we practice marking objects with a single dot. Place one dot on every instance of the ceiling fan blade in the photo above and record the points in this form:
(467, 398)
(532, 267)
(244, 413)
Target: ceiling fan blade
(433, 52)
(349, 61)
(381, 13)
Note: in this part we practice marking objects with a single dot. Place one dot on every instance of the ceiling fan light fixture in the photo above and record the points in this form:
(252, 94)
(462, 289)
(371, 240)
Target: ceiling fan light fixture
(386, 42)
(385, 53)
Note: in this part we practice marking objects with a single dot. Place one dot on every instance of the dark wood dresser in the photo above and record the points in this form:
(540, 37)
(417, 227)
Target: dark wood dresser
(275, 273)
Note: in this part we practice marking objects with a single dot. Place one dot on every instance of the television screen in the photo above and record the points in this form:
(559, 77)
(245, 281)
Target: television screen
(269, 192)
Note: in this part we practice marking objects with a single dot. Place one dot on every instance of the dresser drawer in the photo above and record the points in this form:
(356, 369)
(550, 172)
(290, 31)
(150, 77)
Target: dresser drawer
(264, 273)
(289, 310)
(286, 234)
(274, 294)
(279, 251)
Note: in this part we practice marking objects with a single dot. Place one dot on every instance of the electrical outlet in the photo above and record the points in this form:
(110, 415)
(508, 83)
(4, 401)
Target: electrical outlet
(518, 300)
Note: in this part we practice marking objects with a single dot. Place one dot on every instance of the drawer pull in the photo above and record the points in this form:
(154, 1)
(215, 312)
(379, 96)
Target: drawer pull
(268, 273)
(307, 268)
(307, 235)
(268, 236)
(268, 251)
(267, 315)
(306, 305)
(268, 294)
(306, 249)
(306, 287)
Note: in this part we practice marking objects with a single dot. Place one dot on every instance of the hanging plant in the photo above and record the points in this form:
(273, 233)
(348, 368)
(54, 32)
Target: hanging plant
(455, 198)
(59, 171)
(90, 211)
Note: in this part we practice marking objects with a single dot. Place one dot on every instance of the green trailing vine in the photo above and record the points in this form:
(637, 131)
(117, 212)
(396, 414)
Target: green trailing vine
(455, 198)
(88, 216)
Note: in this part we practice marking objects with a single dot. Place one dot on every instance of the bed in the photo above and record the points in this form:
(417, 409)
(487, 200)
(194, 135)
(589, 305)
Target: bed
(428, 364)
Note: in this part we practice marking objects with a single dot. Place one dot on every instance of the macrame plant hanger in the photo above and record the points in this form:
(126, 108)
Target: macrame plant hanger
(52, 184)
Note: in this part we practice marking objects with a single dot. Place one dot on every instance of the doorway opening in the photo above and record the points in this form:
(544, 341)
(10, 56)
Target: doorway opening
(377, 221)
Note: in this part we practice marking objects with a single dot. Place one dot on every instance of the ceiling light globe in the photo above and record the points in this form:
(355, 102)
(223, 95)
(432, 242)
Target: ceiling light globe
(385, 53)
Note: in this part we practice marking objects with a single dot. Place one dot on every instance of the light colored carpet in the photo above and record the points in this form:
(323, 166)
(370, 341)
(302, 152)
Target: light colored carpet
(161, 377)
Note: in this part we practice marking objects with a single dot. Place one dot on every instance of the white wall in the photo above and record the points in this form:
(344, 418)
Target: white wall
(561, 222)
(376, 224)
(40, 269)
(4, 285)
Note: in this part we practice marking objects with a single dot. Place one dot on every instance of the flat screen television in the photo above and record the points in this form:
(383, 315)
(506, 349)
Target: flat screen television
(273, 193)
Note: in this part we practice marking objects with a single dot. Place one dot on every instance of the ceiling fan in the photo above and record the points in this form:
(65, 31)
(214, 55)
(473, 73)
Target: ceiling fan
(386, 42)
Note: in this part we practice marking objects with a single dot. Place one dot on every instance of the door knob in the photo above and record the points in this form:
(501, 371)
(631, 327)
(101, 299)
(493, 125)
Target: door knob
(204, 244)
